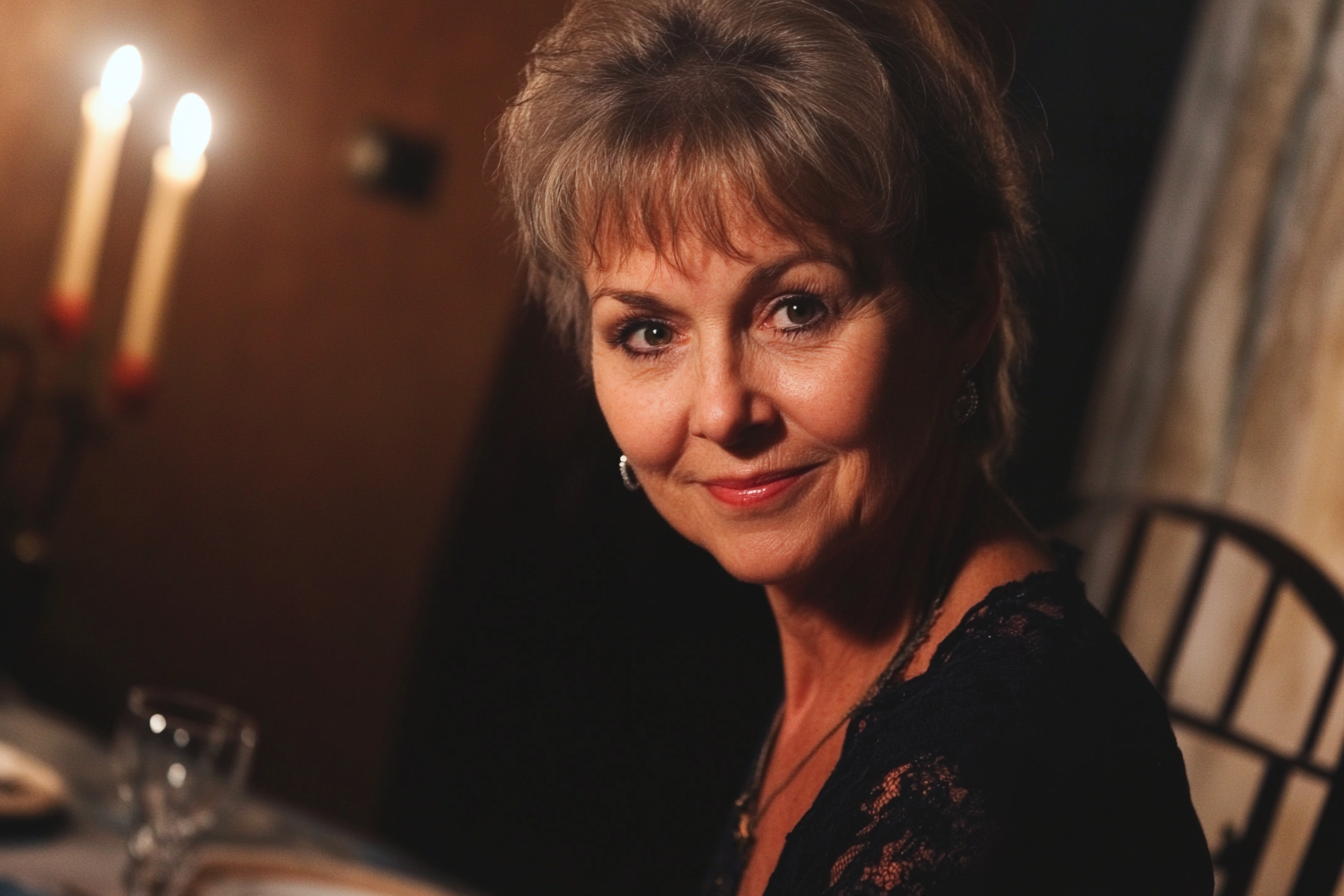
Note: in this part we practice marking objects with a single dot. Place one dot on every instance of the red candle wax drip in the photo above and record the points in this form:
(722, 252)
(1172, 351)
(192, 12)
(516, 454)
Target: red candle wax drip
(132, 383)
(67, 315)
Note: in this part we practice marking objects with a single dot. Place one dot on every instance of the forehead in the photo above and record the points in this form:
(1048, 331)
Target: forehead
(700, 269)
(745, 237)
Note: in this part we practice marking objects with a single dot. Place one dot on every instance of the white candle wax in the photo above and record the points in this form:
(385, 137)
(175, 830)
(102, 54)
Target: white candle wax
(178, 170)
(106, 112)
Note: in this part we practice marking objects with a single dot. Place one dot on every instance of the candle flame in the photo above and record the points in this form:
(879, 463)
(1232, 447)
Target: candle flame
(121, 76)
(190, 130)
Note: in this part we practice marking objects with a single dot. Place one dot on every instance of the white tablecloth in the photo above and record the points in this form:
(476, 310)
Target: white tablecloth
(87, 858)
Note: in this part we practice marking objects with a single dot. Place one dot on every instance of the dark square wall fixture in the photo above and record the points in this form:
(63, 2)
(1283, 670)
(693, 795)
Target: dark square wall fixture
(392, 163)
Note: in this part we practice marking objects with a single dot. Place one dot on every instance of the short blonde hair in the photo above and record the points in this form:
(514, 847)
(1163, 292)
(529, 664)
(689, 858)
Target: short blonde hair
(874, 122)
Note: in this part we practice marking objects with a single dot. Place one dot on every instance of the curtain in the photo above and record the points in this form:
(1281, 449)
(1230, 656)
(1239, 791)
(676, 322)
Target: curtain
(1224, 381)
(1225, 376)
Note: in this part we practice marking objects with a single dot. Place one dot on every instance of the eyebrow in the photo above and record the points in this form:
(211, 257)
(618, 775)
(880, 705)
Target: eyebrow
(637, 300)
(779, 268)
(765, 274)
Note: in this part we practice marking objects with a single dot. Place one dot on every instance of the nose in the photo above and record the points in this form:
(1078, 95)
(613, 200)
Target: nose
(731, 403)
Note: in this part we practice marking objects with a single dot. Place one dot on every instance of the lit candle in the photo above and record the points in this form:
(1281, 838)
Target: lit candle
(178, 169)
(107, 112)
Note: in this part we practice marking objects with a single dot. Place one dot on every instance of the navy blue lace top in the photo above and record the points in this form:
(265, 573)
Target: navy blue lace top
(1033, 757)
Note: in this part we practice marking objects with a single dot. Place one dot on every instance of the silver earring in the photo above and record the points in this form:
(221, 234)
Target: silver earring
(628, 475)
(968, 400)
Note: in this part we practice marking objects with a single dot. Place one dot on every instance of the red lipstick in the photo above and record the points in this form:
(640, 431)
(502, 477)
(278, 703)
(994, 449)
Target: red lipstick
(755, 490)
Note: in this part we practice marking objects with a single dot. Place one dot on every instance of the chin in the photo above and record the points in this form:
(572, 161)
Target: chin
(764, 551)
(762, 560)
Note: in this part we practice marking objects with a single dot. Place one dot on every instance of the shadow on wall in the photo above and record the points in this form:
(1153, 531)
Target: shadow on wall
(589, 686)
(1099, 79)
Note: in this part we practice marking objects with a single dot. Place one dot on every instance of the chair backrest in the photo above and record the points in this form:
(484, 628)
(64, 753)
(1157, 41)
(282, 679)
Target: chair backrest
(1280, 597)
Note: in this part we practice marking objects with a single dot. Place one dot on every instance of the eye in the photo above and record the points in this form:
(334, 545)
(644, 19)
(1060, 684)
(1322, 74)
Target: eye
(798, 312)
(657, 334)
(643, 336)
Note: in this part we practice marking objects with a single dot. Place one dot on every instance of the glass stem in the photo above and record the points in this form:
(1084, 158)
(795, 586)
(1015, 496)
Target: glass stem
(151, 873)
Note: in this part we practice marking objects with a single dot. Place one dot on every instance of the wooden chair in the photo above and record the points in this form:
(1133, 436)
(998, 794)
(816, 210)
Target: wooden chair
(1239, 855)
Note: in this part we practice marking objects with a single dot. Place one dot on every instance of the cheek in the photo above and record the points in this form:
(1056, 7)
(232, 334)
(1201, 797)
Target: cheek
(644, 413)
(839, 400)
(874, 403)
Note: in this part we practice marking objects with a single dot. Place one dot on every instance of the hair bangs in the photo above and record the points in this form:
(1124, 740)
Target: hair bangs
(682, 192)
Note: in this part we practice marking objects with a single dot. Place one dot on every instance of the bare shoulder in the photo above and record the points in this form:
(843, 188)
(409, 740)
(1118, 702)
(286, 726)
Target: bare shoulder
(1004, 549)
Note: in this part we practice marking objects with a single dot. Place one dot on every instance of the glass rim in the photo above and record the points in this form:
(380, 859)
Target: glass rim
(187, 708)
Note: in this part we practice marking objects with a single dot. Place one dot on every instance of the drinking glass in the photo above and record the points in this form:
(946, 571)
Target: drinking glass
(180, 758)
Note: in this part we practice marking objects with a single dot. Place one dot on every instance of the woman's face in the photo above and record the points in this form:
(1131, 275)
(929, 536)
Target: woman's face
(773, 415)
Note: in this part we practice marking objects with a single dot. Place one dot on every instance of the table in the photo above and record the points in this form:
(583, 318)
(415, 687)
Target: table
(88, 857)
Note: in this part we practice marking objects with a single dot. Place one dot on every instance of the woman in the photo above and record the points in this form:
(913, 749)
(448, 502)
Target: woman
(781, 233)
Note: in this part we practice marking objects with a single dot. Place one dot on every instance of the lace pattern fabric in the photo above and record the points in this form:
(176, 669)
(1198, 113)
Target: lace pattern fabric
(1032, 757)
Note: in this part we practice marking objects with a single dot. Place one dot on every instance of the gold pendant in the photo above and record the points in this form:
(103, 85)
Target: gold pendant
(744, 835)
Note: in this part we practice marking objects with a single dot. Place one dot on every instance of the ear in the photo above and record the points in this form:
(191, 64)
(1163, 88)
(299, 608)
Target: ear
(977, 328)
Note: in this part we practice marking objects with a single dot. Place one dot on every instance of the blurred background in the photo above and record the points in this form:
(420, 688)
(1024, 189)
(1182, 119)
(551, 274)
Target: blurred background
(372, 502)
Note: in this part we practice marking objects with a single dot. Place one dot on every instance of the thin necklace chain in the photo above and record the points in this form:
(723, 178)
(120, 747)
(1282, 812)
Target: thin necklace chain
(749, 811)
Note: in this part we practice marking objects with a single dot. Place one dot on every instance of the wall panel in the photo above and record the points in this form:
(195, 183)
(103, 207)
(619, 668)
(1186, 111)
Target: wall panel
(263, 532)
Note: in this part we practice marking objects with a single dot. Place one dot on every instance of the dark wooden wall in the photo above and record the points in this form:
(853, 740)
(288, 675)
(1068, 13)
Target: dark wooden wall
(263, 532)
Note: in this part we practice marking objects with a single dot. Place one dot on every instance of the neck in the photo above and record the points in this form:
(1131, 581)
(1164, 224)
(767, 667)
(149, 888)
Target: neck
(840, 625)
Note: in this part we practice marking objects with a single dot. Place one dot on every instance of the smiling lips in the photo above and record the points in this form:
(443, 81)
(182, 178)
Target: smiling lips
(756, 490)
